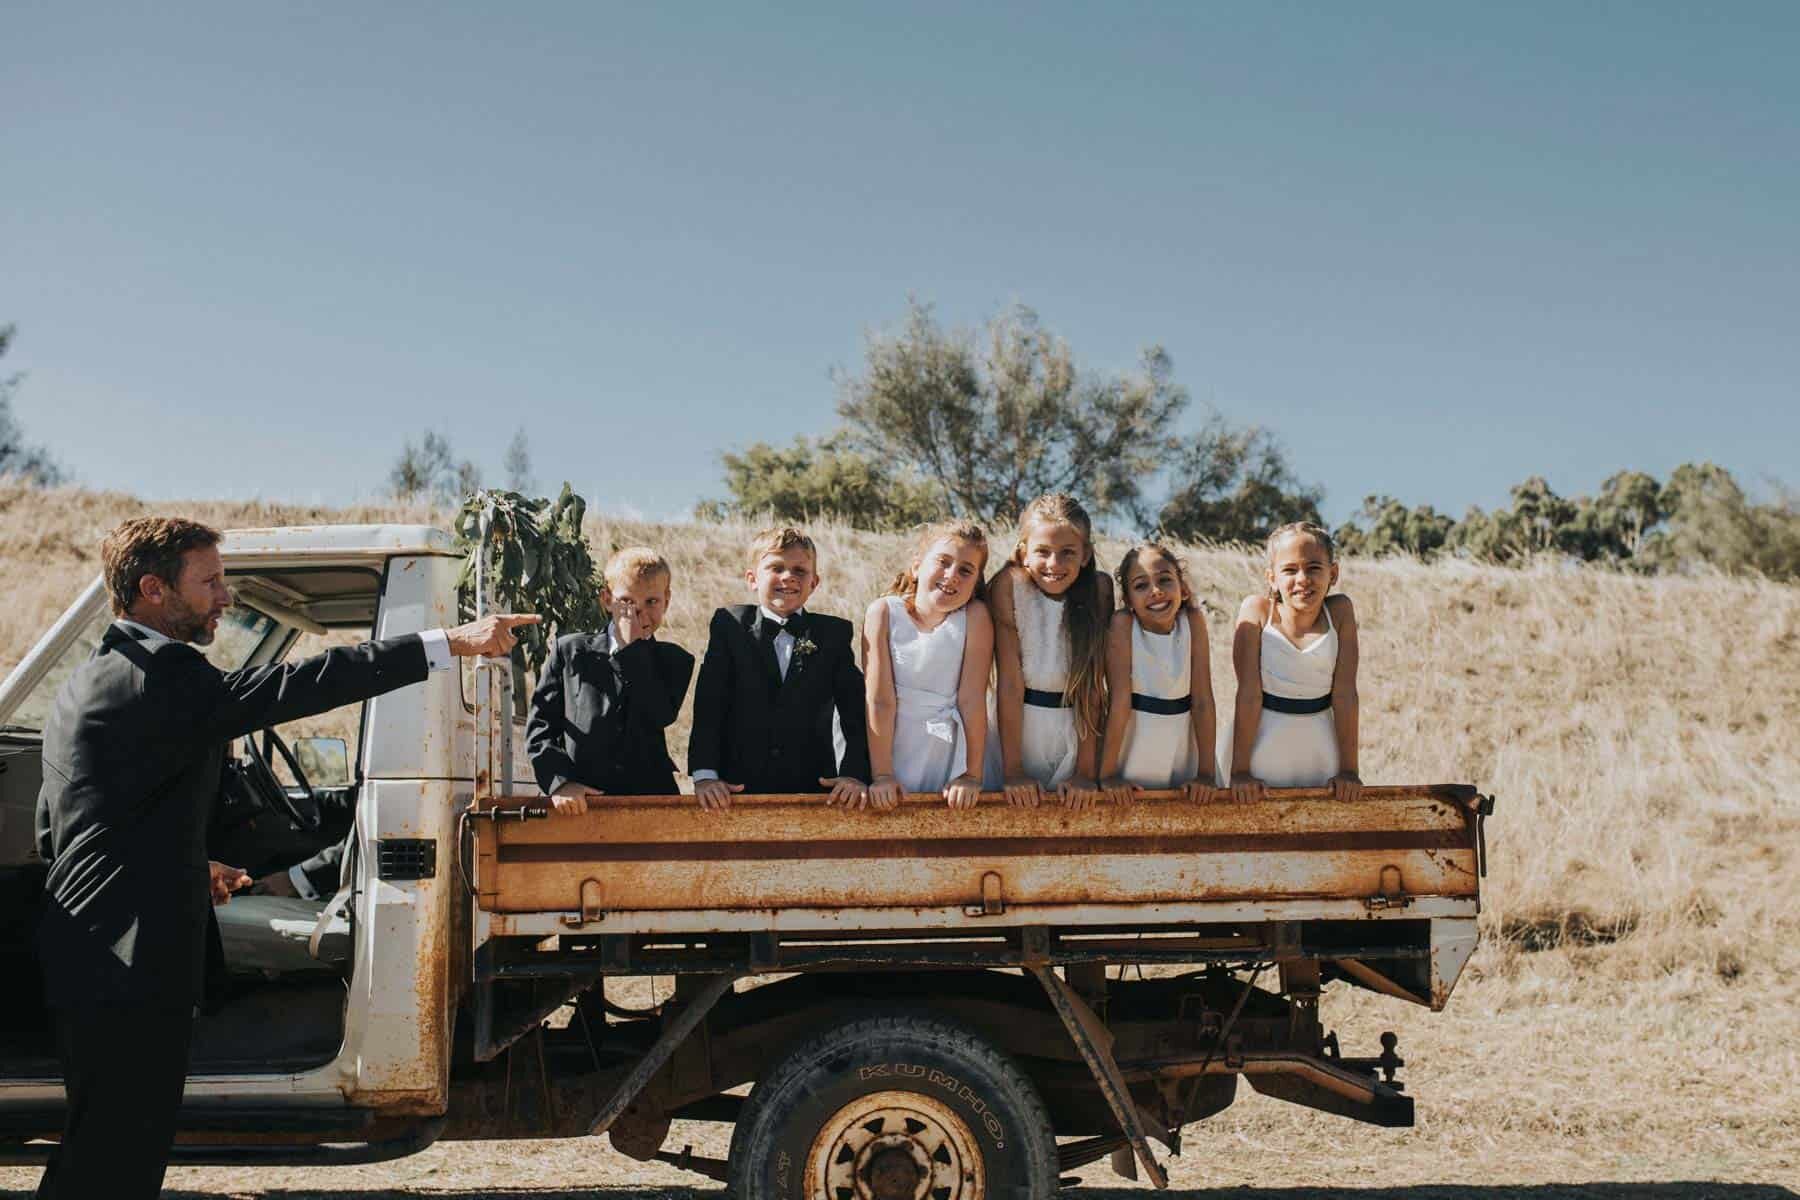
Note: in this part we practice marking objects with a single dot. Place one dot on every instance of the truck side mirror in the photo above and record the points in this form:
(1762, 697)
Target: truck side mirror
(325, 760)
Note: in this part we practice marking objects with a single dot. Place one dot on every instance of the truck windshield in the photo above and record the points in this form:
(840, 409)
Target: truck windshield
(241, 631)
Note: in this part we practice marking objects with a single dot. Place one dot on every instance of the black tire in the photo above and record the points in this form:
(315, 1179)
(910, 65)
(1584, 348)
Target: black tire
(907, 1104)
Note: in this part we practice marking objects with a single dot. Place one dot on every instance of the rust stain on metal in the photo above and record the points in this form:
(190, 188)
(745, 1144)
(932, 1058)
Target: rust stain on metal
(568, 852)
(777, 852)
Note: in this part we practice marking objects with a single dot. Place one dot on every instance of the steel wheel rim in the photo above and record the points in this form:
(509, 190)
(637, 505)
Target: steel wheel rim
(895, 1146)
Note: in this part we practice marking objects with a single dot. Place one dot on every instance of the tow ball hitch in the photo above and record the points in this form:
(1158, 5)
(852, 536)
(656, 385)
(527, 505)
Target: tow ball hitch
(1387, 1063)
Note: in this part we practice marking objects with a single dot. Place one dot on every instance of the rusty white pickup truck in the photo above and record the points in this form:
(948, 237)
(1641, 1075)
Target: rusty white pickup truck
(920, 1003)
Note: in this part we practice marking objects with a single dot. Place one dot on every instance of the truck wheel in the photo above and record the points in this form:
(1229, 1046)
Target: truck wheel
(895, 1107)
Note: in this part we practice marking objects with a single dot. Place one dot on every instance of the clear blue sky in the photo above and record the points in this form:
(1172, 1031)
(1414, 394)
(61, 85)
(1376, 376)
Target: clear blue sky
(1436, 247)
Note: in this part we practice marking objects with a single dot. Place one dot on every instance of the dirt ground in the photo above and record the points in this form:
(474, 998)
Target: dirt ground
(1239, 1162)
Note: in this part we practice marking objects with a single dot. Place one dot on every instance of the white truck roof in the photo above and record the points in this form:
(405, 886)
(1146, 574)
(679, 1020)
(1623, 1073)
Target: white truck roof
(291, 542)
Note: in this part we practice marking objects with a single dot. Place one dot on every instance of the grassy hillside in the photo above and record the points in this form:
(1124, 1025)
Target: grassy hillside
(1643, 905)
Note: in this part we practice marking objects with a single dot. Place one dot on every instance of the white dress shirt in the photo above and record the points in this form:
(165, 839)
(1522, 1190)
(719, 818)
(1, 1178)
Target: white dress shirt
(784, 641)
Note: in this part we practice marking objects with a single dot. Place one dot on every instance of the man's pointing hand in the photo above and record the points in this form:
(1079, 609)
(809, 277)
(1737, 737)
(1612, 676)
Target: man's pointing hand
(492, 636)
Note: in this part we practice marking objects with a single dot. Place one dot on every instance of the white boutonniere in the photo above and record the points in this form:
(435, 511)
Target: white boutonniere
(804, 645)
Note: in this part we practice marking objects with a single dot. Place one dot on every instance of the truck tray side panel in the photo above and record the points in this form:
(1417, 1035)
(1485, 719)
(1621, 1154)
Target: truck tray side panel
(643, 854)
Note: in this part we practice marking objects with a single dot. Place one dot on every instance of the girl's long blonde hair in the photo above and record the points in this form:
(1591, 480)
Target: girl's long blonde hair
(1083, 622)
(906, 583)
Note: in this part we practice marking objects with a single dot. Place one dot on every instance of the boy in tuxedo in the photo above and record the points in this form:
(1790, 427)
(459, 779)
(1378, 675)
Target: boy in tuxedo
(773, 675)
(604, 699)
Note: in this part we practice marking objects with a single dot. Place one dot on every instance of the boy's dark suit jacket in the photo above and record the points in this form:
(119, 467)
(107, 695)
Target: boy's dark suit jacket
(133, 750)
(772, 734)
(598, 714)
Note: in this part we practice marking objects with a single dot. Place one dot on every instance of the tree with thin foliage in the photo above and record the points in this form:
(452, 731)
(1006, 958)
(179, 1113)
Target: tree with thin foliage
(1233, 485)
(1383, 525)
(995, 419)
(1540, 513)
(821, 478)
(430, 471)
(20, 459)
(517, 464)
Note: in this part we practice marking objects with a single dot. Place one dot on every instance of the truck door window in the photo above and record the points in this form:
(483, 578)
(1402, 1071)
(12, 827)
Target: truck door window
(241, 631)
(344, 723)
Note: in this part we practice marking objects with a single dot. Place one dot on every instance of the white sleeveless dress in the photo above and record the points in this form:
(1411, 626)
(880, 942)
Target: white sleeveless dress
(1049, 741)
(1292, 749)
(929, 747)
(1159, 749)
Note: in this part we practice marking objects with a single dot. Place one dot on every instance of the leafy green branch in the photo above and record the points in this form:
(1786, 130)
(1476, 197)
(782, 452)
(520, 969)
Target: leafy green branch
(538, 561)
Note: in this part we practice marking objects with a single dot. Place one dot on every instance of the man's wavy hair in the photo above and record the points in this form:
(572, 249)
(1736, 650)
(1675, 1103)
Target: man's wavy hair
(149, 546)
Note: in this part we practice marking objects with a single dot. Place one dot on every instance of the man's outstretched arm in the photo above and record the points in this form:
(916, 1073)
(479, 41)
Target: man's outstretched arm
(240, 702)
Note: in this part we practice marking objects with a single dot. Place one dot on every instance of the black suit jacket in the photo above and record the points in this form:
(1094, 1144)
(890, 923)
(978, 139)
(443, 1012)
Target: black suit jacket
(132, 754)
(598, 714)
(324, 870)
(772, 734)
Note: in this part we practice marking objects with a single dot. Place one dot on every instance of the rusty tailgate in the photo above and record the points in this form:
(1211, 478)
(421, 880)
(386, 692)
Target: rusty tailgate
(791, 852)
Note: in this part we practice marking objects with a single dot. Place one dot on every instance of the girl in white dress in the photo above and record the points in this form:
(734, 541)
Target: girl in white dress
(1051, 605)
(1295, 653)
(1159, 718)
(927, 647)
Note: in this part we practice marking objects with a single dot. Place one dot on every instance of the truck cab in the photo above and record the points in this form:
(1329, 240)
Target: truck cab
(358, 1039)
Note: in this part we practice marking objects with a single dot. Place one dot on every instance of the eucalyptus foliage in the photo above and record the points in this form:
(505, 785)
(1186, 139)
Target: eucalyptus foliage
(538, 561)
(1700, 518)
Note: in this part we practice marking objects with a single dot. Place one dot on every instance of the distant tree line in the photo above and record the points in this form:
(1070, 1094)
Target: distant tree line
(1699, 516)
(975, 423)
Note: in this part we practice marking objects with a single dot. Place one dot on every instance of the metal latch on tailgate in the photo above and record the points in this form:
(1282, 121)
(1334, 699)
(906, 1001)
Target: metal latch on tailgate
(992, 903)
(592, 897)
(1392, 893)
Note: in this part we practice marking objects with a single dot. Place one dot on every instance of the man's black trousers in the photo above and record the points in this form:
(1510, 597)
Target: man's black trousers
(124, 1069)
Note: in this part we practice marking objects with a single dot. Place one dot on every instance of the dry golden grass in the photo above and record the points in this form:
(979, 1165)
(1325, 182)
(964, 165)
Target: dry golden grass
(1631, 1015)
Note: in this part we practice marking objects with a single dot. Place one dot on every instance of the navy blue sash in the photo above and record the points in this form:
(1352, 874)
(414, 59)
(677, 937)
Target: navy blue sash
(1282, 704)
(1045, 699)
(1160, 706)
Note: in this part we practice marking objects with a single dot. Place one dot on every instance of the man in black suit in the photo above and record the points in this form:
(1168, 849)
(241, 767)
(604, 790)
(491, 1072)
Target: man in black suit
(772, 677)
(604, 699)
(132, 753)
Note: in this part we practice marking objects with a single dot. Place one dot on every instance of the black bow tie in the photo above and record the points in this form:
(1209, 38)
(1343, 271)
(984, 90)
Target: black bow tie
(768, 629)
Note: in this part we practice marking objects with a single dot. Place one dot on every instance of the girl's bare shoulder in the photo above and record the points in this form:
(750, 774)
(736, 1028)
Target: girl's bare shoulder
(1342, 611)
(877, 615)
(1120, 625)
(1254, 608)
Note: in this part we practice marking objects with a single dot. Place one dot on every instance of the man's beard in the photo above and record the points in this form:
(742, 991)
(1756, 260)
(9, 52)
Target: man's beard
(188, 624)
